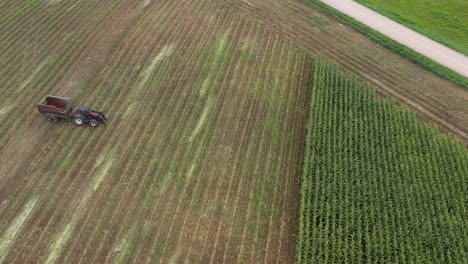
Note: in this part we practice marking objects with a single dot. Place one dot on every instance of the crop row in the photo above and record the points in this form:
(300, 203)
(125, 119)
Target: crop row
(204, 115)
(377, 185)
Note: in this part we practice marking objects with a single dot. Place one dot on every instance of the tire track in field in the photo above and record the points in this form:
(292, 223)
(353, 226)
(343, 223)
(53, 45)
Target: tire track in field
(25, 9)
(288, 126)
(67, 57)
(269, 167)
(5, 6)
(166, 51)
(44, 63)
(42, 28)
(23, 30)
(255, 110)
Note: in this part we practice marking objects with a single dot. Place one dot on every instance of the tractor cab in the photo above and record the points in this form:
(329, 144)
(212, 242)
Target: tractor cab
(83, 114)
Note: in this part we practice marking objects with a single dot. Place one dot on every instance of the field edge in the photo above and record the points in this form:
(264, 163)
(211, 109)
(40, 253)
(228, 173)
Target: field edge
(391, 44)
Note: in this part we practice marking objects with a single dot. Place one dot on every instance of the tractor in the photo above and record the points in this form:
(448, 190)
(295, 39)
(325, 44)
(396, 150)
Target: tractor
(55, 108)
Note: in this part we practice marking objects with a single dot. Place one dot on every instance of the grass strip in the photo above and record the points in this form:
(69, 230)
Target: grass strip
(428, 29)
(391, 44)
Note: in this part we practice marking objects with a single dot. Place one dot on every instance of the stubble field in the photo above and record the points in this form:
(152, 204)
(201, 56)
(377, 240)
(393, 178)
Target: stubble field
(198, 161)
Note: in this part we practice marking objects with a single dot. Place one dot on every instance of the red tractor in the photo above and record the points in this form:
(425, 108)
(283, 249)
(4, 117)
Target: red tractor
(55, 108)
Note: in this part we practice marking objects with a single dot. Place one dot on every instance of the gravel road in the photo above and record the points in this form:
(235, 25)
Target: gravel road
(418, 42)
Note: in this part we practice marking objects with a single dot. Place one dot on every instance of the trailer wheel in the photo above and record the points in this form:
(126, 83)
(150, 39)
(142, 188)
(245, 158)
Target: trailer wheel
(93, 123)
(79, 120)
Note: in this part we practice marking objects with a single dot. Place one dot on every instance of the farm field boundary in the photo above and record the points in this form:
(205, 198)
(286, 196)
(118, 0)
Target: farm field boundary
(392, 45)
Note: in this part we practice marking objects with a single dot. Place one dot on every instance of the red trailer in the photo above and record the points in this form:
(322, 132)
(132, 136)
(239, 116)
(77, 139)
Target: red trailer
(55, 108)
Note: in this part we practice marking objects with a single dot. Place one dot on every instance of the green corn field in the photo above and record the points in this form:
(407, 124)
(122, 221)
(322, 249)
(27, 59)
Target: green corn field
(378, 186)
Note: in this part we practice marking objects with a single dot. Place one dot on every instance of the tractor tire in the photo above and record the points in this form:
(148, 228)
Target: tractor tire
(55, 119)
(79, 120)
(93, 123)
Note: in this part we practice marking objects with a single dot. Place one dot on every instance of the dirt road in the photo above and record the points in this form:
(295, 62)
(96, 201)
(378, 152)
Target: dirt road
(420, 43)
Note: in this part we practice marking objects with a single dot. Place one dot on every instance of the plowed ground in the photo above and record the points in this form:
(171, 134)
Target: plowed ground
(207, 102)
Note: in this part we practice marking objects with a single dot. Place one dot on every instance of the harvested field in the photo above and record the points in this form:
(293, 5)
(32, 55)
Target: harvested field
(200, 154)
(207, 102)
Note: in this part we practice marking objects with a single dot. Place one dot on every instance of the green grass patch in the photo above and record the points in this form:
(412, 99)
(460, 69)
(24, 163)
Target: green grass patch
(378, 186)
(392, 45)
(443, 21)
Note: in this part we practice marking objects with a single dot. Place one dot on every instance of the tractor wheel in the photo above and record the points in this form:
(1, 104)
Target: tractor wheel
(79, 120)
(93, 123)
(55, 119)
